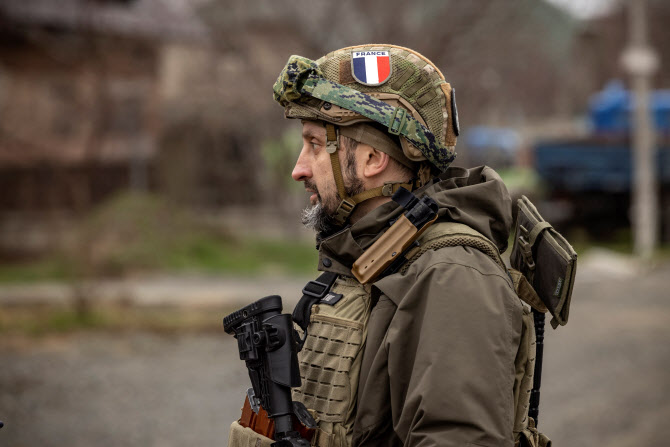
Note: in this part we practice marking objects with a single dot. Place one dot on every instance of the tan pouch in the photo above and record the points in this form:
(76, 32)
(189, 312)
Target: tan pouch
(326, 362)
(546, 259)
(530, 437)
(245, 437)
(524, 365)
(525, 291)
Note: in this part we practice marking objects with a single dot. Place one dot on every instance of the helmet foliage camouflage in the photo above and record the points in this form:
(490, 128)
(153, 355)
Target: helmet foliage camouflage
(392, 86)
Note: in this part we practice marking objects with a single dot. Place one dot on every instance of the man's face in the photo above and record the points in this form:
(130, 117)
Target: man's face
(313, 167)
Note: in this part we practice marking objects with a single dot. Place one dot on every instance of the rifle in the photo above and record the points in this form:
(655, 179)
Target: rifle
(268, 344)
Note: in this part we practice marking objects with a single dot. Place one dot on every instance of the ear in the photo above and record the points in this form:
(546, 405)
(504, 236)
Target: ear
(374, 162)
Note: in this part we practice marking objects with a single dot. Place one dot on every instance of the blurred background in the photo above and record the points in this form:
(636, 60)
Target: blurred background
(145, 192)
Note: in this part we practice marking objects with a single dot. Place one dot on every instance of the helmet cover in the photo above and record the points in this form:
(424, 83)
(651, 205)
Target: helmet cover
(393, 86)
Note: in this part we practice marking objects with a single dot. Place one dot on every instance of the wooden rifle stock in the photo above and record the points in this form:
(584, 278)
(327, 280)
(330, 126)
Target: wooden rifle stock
(264, 425)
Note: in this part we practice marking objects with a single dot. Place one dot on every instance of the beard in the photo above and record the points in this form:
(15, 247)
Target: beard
(321, 216)
(315, 218)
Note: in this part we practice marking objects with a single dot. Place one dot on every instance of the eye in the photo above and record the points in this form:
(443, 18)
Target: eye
(315, 145)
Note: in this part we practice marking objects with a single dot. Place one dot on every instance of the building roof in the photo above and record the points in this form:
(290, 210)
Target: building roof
(152, 19)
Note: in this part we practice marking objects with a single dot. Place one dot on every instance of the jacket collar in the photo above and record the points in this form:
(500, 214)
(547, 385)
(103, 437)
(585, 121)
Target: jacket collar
(338, 252)
(476, 197)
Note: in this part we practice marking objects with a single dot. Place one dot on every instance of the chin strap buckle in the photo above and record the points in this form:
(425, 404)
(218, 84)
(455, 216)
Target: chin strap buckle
(391, 188)
(343, 211)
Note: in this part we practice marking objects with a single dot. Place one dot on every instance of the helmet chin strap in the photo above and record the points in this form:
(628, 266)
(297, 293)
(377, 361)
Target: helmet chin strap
(347, 203)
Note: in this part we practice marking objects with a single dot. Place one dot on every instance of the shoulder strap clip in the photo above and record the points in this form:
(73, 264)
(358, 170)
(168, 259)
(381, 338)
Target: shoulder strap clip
(316, 288)
(312, 293)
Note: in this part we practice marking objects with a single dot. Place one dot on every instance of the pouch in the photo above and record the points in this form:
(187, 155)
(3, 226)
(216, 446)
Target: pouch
(530, 437)
(546, 259)
(245, 437)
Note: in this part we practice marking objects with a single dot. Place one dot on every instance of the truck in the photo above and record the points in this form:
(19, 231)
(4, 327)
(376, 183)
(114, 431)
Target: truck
(588, 181)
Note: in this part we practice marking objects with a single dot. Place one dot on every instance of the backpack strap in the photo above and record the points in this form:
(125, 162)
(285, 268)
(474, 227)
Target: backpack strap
(452, 234)
(312, 293)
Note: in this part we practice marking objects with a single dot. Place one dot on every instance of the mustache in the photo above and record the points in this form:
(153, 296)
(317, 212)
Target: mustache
(312, 187)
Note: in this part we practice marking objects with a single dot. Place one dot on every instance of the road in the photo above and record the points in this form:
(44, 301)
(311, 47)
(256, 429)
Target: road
(605, 381)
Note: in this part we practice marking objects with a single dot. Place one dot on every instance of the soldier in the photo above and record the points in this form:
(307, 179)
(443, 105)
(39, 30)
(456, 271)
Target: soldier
(430, 351)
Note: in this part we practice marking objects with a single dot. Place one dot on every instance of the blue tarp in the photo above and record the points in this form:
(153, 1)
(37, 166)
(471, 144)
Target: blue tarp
(610, 109)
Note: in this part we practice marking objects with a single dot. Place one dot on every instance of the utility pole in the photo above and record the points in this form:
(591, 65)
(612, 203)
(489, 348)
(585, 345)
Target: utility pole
(641, 62)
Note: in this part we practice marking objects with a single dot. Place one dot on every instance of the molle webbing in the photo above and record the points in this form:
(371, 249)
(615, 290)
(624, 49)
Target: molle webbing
(406, 74)
(330, 362)
(452, 234)
(524, 369)
(325, 363)
(323, 439)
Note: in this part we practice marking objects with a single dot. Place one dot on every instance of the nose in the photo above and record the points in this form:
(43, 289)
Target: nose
(301, 170)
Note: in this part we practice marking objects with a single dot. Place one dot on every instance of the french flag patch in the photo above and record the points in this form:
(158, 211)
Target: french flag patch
(371, 67)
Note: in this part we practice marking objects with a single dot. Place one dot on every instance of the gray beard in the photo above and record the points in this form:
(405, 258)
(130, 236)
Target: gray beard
(315, 218)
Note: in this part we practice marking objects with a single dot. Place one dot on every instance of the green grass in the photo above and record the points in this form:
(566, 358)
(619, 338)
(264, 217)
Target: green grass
(35, 271)
(36, 321)
(136, 232)
(247, 256)
(521, 180)
(195, 253)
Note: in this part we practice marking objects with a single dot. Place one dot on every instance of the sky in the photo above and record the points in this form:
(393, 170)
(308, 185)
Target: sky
(585, 9)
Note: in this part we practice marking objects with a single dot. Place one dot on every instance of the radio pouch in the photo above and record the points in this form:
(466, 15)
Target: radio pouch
(546, 259)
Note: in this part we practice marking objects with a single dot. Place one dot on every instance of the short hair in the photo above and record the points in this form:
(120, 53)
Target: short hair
(350, 145)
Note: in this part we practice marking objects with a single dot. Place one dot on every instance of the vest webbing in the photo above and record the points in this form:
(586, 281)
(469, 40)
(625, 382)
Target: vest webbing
(452, 234)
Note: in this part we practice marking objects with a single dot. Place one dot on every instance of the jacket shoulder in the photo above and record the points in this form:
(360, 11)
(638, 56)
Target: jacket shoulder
(459, 255)
(459, 266)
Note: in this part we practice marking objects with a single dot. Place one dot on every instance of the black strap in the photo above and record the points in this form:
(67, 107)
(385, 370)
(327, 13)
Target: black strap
(404, 198)
(312, 293)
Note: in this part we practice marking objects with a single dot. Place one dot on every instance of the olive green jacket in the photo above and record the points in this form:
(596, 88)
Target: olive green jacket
(438, 361)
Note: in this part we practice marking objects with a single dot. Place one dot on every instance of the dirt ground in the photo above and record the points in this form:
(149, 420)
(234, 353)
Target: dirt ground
(605, 381)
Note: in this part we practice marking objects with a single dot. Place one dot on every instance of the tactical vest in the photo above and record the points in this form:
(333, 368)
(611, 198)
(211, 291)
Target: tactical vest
(331, 358)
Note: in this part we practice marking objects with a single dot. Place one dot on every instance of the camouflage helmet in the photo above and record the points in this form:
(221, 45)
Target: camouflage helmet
(392, 86)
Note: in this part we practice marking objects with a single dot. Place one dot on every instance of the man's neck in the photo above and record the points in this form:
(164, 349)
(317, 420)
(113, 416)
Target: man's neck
(365, 207)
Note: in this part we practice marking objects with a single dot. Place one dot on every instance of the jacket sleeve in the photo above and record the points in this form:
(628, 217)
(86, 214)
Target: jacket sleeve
(451, 347)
